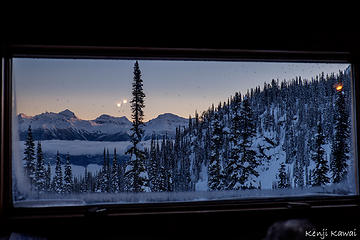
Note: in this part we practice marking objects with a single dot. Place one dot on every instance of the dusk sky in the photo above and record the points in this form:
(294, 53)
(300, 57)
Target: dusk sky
(90, 88)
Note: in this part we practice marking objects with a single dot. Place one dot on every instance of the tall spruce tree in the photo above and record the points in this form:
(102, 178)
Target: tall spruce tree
(282, 177)
(321, 170)
(121, 173)
(215, 178)
(58, 178)
(233, 169)
(29, 157)
(105, 173)
(115, 180)
(135, 173)
(340, 148)
(68, 178)
(40, 172)
(48, 178)
(162, 170)
(154, 166)
(184, 164)
(248, 155)
(198, 150)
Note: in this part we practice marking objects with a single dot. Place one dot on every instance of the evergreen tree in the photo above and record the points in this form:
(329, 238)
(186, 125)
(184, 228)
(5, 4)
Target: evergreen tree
(185, 178)
(68, 178)
(318, 156)
(167, 167)
(40, 173)
(298, 174)
(340, 148)
(215, 179)
(300, 157)
(178, 160)
(135, 172)
(162, 170)
(190, 126)
(98, 181)
(48, 178)
(29, 157)
(170, 164)
(283, 178)
(233, 169)
(105, 173)
(198, 150)
(115, 184)
(121, 173)
(153, 166)
(85, 182)
(58, 178)
(248, 155)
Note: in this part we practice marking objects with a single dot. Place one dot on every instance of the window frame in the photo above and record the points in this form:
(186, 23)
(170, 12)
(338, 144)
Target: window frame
(7, 209)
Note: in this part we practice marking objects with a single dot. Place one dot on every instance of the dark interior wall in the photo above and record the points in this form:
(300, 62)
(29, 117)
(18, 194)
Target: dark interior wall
(222, 225)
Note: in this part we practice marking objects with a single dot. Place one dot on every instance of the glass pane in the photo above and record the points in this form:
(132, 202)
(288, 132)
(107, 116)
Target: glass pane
(126, 131)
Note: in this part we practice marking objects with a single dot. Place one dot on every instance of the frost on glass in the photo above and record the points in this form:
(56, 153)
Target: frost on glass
(289, 136)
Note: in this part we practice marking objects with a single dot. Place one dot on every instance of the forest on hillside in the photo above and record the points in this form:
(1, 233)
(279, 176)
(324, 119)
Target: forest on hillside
(301, 127)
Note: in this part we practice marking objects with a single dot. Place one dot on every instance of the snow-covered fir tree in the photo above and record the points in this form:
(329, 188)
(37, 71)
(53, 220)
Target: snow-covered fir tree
(283, 181)
(340, 148)
(154, 165)
(29, 157)
(104, 178)
(234, 168)
(68, 178)
(135, 173)
(248, 155)
(58, 178)
(115, 178)
(162, 170)
(319, 175)
(40, 172)
(197, 144)
(215, 175)
(184, 170)
(48, 178)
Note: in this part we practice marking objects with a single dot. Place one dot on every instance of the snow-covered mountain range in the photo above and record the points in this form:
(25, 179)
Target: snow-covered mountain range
(66, 125)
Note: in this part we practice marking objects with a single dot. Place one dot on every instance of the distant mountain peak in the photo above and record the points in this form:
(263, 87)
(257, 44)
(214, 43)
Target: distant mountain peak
(23, 115)
(65, 125)
(68, 114)
(103, 116)
(168, 116)
(109, 117)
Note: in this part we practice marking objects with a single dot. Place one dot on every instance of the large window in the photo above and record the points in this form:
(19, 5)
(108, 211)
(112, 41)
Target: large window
(142, 131)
